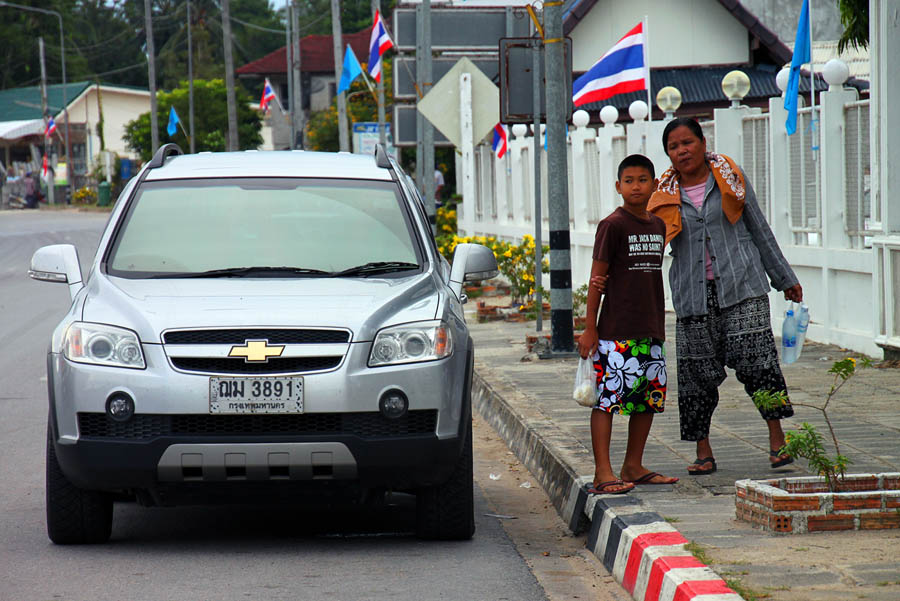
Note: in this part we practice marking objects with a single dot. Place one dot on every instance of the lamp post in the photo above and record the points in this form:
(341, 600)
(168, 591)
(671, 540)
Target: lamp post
(62, 51)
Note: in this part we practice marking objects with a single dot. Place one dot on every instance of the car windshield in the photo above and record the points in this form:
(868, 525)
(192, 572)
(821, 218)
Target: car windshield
(264, 228)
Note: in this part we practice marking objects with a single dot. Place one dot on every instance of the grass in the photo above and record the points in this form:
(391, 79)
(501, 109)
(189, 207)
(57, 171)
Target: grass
(735, 584)
(698, 552)
(672, 520)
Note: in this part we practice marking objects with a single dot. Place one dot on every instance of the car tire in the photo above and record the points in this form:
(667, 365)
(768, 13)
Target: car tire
(447, 511)
(74, 516)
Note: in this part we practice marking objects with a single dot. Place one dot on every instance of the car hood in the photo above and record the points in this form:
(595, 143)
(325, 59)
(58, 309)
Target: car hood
(362, 305)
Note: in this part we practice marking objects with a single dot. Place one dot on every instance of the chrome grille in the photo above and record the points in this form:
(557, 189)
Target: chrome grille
(239, 336)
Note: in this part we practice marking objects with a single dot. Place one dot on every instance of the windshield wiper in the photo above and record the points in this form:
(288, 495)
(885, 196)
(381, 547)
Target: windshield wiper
(239, 272)
(376, 267)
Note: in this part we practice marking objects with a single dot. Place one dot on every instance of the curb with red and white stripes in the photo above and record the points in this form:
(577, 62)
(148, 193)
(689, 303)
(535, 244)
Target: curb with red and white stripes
(642, 551)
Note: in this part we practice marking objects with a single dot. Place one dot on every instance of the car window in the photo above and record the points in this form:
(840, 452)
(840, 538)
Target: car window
(195, 226)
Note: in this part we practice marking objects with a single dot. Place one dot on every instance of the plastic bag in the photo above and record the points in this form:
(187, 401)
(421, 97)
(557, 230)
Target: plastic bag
(585, 391)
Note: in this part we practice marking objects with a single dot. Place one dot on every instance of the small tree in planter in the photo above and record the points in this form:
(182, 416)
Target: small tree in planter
(807, 442)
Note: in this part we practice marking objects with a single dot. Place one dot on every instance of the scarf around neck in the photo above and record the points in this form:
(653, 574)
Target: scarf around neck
(665, 203)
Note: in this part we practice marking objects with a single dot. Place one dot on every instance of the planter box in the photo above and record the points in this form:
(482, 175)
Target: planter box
(804, 504)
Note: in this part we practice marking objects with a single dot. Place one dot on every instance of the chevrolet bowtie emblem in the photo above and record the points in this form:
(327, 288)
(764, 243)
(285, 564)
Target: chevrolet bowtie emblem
(257, 351)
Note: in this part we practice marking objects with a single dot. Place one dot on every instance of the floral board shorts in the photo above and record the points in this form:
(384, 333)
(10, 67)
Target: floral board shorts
(631, 376)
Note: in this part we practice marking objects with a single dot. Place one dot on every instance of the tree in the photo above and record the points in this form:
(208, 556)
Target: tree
(209, 119)
(855, 19)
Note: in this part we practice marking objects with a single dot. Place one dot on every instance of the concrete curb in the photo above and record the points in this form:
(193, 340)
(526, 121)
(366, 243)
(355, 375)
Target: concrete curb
(642, 551)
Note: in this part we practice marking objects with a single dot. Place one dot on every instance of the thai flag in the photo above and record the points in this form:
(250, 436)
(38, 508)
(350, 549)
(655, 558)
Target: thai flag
(501, 135)
(51, 127)
(268, 96)
(622, 69)
(379, 43)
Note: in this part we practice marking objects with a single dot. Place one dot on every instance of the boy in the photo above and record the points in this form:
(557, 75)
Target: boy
(626, 343)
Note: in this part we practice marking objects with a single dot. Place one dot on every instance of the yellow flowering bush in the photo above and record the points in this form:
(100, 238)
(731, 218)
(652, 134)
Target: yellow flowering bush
(84, 196)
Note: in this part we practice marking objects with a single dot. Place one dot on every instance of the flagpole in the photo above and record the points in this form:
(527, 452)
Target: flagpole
(647, 66)
(813, 122)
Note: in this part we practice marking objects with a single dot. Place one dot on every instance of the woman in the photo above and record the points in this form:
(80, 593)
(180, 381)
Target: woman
(722, 250)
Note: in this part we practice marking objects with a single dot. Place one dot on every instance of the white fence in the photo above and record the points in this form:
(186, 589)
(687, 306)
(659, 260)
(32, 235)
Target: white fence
(814, 188)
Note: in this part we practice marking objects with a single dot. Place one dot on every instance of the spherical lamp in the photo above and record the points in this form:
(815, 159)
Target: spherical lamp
(668, 99)
(581, 118)
(638, 110)
(781, 80)
(735, 86)
(609, 115)
(519, 130)
(836, 73)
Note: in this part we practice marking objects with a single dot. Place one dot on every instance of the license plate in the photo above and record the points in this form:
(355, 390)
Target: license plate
(256, 395)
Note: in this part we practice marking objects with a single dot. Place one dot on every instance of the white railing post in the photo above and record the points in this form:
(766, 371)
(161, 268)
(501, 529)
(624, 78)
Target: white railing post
(608, 198)
(581, 188)
(832, 164)
(779, 173)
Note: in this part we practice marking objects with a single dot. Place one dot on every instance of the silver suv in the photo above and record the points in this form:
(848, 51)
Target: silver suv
(271, 325)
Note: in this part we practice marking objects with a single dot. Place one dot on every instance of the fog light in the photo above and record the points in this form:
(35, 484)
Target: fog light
(120, 407)
(393, 404)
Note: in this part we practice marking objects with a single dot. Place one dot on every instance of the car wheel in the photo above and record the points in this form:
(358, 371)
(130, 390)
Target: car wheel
(447, 511)
(74, 516)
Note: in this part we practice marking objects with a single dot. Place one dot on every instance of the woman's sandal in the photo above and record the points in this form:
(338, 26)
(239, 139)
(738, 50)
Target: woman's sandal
(603, 488)
(787, 459)
(698, 469)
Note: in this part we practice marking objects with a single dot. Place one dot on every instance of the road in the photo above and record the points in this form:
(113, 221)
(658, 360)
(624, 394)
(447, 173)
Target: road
(521, 550)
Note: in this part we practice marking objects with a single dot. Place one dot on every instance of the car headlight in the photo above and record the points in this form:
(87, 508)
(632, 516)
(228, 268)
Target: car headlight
(100, 344)
(411, 343)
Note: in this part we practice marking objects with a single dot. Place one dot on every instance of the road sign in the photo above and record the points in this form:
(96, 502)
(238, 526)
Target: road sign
(405, 127)
(441, 104)
(517, 83)
(461, 28)
(405, 71)
(365, 136)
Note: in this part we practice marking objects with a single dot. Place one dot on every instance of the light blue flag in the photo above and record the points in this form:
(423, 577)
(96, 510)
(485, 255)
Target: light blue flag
(173, 122)
(802, 54)
(350, 71)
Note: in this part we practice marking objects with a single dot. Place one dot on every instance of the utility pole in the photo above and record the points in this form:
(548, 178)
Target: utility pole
(289, 69)
(190, 79)
(424, 129)
(343, 131)
(382, 134)
(297, 101)
(44, 112)
(537, 51)
(558, 99)
(229, 80)
(151, 67)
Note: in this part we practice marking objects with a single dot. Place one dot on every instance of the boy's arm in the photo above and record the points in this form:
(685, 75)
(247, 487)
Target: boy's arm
(587, 344)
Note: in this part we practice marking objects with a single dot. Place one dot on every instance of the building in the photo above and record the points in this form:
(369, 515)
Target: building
(94, 110)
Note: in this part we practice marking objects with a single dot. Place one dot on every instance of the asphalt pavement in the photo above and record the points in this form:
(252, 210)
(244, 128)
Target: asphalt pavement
(529, 401)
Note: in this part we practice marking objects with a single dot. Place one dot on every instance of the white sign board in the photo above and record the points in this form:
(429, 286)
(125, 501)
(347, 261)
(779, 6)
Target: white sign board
(441, 104)
(365, 137)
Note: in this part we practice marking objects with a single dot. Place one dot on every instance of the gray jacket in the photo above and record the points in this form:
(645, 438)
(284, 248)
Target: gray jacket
(742, 254)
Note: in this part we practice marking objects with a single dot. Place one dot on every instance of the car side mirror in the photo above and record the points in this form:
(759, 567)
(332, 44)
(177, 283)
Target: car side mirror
(57, 263)
(471, 263)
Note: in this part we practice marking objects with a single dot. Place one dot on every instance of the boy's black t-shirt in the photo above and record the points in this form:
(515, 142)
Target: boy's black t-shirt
(634, 302)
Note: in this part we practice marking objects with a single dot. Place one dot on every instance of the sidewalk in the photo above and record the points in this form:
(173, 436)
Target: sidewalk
(528, 401)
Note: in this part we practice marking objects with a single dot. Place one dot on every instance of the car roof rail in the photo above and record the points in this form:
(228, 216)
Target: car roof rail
(382, 159)
(164, 152)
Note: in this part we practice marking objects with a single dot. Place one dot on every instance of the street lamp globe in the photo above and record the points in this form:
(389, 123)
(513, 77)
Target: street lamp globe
(638, 110)
(581, 118)
(781, 80)
(609, 115)
(735, 86)
(519, 130)
(836, 72)
(668, 99)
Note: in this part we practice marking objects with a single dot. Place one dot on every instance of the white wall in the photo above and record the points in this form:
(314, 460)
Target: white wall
(120, 105)
(681, 32)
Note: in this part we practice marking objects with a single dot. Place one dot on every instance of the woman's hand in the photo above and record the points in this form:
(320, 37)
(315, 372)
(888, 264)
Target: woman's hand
(794, 293)
(598, 283)
(588, 342)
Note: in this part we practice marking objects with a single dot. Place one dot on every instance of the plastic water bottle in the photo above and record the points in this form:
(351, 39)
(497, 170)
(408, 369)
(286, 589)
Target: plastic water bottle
(802, 326)
(789, 350)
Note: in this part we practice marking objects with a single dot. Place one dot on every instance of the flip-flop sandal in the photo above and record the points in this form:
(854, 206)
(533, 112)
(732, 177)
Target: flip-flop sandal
(602, 488)
(647, 479)
(781, 462)
(699, 461)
